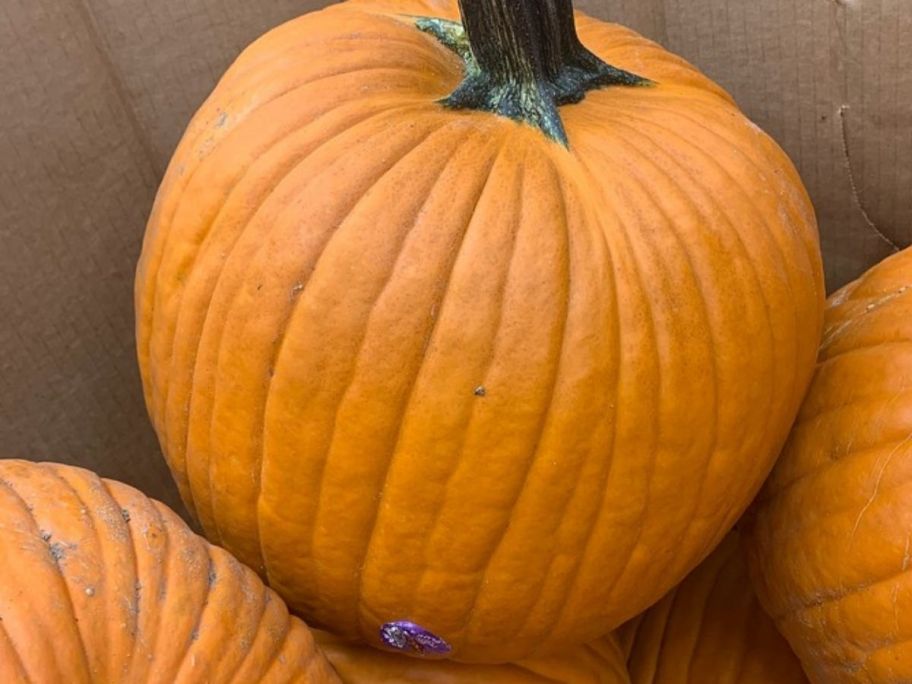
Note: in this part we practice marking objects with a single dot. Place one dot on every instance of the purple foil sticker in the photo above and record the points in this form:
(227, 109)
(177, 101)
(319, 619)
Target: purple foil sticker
(403, 635)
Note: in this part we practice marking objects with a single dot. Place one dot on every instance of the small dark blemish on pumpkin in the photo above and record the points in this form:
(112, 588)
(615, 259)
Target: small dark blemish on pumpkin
(194, 635)
(480, 391)
(213, 576)
(259, 287)
(125, 514)
(57, 550)
(45, 536)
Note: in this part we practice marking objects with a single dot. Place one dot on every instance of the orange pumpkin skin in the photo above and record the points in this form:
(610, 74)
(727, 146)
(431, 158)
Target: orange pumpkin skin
(829, 541)
(100, 585)
(600, 662)
(710, 628)
(421, 364)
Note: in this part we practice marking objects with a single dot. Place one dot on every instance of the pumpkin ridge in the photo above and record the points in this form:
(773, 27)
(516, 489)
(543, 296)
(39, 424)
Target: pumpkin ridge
(772, 493)
(7, 651)
(700, 288)
(51, 471)
(179, 459)
(654, 369)
(130, 505)
(546, 415)
(447, 131)
(61, 580)
(185, 661)
(617, 347)
(90, 515)
(704, 607)
(293, 128)
(774, 248)
(483, 188)
(568, 501)
(128, 542)
(142, 507)
(275, 358)
(444, 291)
(259, 630)
(235, 290)
(153, 281)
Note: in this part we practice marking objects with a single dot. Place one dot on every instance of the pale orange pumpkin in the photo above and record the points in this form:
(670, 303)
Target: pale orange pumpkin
(502, 381)
(100, 585)
(831, 534)
(710, 629)
(600, 662)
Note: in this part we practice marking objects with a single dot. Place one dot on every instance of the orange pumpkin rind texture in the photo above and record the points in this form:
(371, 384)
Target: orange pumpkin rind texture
(830, 545)
(101, 585)
(425, 365)
(710, 628)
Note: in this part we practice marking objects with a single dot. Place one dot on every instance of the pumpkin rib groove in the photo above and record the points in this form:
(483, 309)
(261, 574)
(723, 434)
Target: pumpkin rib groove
(571, 498)
(774, 244)
(898, 443)
(837, 596)
(90, 518)
(867, 348)
(634, 178)
(278, 344)
(62, 585)
(546, 417)
(409, 392)
(230, 305)
(169, 552)
(483, 189)
(655, 430)
(657, 664)
(162, 236)
(496, 341)
(129, 543)
(21, 674)
(281, 178)
(791, 229)
(243, 175)
(585, 538)
(704, 606)
(162, 571)
(381, 290)
(198, 621)
(258, 629)
(495, 337)
(700, 287)
(586, 548)
(859, 399)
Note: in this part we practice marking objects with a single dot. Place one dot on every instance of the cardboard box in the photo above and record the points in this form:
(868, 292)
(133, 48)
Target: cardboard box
(94, 95)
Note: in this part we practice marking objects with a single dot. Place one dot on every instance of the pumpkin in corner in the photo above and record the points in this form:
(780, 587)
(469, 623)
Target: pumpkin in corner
(473, 328)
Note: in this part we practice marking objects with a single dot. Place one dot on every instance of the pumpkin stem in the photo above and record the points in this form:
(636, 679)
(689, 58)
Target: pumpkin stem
(523, 60)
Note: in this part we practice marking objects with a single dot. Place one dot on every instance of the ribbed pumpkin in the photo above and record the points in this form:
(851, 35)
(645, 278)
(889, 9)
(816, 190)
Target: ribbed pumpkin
(601, 662)
(479, 334)
(100, 585)
(710, 628)
(831, 535)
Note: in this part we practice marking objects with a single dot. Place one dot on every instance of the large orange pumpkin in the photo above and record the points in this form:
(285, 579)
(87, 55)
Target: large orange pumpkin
(501, 378)
(100, 585)
(831, 535)
(600, 662)
(710, 628)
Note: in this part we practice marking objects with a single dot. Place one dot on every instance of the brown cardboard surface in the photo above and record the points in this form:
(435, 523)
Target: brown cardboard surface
(94, 95)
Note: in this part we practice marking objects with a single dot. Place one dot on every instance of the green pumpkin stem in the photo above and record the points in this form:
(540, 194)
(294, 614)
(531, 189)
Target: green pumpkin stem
(523, 60)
